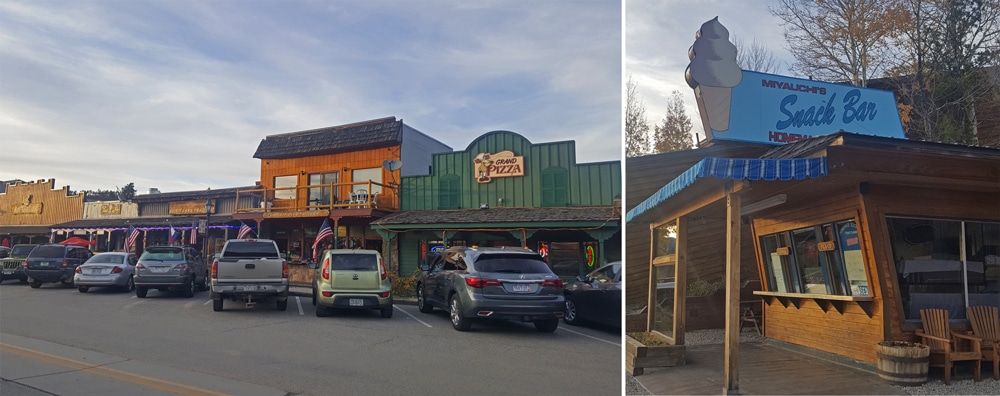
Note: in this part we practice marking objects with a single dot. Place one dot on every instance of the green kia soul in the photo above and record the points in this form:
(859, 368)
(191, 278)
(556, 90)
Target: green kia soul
(352, 279)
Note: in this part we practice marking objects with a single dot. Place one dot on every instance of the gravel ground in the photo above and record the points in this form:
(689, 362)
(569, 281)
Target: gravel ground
(987, 386)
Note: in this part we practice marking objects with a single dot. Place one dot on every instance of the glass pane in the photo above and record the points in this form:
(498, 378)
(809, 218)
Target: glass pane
(364, 175)
(564, 258)
(928, 265)
(665, 239)
(807, 261)
(982, 247)
(281, 184)
(663, 316)
(774, 263)
(321, 195)
(849, 244)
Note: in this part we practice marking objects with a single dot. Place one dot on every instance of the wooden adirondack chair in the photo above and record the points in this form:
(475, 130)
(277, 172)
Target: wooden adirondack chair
(986, 325)
(945, 346)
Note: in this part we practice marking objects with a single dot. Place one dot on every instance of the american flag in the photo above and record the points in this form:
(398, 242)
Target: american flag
(324, 231)
(194, 234)
(170, 240)
(244, 231)
(130, 236)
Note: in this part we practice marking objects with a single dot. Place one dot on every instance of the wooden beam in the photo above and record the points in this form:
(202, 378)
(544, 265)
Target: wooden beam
(680, 282)
(731, 382)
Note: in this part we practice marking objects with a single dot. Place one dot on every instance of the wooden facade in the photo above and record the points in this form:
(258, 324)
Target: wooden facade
(28, 209)
(869, 181)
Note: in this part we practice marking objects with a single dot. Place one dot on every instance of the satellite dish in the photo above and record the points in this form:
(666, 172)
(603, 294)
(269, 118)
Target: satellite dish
(392, 164)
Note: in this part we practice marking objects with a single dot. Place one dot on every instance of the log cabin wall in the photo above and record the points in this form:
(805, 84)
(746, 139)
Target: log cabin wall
(304, 166)
(884, 199)
(39, 203)
(852, 333)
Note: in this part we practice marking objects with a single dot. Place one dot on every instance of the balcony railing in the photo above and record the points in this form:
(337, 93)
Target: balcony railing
(357, 195)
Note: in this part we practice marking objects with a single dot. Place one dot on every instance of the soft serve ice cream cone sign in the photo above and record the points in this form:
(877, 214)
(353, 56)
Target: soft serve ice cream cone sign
(749, 106)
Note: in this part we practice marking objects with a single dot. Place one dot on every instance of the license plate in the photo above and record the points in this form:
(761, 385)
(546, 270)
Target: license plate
(159, 269)
(521, 288)
(94, 272)
(356, 302)
(250, 288)
(44, 263)
(8, 272)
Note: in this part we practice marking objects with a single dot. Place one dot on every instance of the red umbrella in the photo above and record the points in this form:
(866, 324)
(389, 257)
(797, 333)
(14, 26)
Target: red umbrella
(77, 241)
(5, 242)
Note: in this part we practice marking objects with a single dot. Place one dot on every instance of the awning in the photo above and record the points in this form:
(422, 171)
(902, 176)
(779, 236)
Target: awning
(24, 230)
(734, 169)
(590, 217)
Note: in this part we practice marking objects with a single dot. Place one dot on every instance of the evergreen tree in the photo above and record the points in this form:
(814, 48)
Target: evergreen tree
(674, 133)
(636, 128)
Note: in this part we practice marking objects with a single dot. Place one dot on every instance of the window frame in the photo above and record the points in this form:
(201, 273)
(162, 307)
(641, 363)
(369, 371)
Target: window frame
(830, 261)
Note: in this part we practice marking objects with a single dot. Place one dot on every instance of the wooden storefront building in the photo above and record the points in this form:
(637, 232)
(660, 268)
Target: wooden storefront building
(851, 236)
(348, 175)
(504, 190)
(29, 209)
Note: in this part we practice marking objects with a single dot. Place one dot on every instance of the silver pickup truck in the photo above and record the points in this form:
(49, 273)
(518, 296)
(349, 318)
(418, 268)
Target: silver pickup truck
(249, 270)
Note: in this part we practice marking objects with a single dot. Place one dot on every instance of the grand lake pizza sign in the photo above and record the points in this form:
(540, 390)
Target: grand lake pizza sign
(502, 164)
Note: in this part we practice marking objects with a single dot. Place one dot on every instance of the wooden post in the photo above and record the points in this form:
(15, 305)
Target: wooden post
(680, 282)
(731, 384)
(651, 289)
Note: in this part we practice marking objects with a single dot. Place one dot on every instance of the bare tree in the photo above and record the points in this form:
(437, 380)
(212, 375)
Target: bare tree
(674, 133)
(636, 128)
(841, 40)
(755, 56)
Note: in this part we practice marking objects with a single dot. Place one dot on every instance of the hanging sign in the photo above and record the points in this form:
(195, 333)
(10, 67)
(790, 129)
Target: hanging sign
(502, 164)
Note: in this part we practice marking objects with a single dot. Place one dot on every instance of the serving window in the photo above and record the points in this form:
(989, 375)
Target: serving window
(823, 259)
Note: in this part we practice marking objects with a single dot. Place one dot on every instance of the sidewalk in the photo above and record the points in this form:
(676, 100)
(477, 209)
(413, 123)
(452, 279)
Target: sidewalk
(305, 290)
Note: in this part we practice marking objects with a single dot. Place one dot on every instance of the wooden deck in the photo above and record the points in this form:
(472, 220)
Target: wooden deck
(768, 368)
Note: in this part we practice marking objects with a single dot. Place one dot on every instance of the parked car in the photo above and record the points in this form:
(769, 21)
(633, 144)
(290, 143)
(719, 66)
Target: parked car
(54, 263)
(115, 269)
(13, 265)
(4, 251)
(249, 271)
(492, 283)
(352, 279)
(170, 268)
(596, 297)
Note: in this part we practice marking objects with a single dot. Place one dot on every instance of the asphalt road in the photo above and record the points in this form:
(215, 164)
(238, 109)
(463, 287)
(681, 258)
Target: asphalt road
(167, 343)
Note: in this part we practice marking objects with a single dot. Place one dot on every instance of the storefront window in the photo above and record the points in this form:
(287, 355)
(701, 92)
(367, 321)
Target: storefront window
(945, 264)
(822, 259)
(564, 258)
(284, 187)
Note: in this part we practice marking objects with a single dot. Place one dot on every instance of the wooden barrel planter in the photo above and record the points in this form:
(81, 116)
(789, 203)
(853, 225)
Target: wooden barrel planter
(903, 363)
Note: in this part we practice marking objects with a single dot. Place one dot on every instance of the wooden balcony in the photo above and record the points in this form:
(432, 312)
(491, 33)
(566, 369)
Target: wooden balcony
(305, 201)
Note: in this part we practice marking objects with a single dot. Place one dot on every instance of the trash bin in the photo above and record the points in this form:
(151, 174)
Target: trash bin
(903, 363)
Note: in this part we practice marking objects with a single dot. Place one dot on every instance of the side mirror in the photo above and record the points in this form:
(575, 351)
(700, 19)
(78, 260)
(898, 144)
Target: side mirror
(425, 267)
(283, 256)
(582, 278)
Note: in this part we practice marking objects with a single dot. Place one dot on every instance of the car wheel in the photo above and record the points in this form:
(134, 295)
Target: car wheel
(204, 284)
(36, 284)
(571, 317)
(321, 311)
(282, 305)
(130, 284)
(23, 281)
(387, 312)
(458, 321)
(68, 282)
(189, 288)
(422, 301)
(217, 304)
(547, 326)
(141, 291)
(315, 297)
(83, 289)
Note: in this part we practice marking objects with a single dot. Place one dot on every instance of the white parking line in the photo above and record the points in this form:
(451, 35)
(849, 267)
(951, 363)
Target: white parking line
(299, 303)
(206, 302)
(590, 336)
(411, 315)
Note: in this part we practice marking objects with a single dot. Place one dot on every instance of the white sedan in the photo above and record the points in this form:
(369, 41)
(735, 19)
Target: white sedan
(114, 269)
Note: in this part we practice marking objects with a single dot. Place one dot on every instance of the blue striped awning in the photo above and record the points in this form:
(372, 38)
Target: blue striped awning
(735, 169)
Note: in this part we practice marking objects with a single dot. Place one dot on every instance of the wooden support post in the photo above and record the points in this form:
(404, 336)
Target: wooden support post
(680, 282)
(731, 385)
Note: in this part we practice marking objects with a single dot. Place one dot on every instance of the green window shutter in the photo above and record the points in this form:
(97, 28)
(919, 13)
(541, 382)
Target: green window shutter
(555, 187)
(448, 189)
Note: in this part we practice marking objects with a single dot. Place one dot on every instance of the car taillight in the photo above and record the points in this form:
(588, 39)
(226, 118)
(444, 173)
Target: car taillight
(78, 270)
(65, 263)
(140, 267)
(181, 267)
(481, 282)
(25, 263)
(384, 294)
(556, 283)
(215, 269)
(115, 270)
(326, 268)
(284, 269)
(381, 270)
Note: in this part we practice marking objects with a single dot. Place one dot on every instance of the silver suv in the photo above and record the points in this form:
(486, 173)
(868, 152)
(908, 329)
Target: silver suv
(170, 268)
(492, 283)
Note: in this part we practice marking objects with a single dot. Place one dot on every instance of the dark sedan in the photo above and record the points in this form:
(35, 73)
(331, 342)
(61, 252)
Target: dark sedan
(596, 297)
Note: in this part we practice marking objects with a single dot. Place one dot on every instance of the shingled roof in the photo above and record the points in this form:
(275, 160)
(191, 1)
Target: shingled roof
(492, 217)
(382, 132)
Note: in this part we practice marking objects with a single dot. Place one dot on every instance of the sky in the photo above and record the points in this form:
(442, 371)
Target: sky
(658, 34)
(177, 94)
